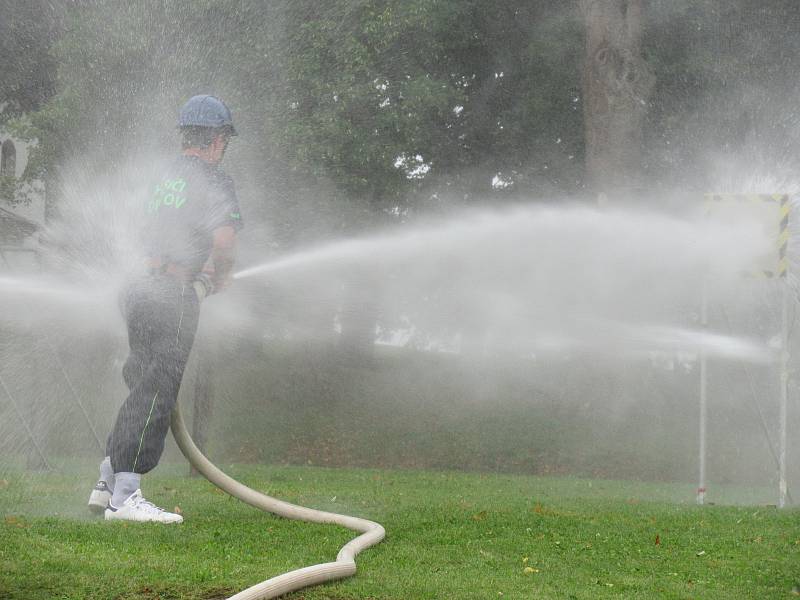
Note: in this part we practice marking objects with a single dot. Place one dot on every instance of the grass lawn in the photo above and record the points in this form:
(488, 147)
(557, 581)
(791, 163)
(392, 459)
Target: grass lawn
(449, 536)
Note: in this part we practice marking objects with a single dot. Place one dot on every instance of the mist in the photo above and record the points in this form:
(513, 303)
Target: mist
(429, 275)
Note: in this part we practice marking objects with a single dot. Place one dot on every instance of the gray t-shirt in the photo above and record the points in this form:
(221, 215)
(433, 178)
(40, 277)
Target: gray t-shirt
(189, 201)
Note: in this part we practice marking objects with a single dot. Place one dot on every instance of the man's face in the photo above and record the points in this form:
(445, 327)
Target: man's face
(218, 147)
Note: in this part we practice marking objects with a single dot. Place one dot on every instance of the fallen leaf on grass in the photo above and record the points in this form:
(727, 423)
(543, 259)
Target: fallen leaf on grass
(529, 570)
(479, 516)
(15, 522)
(178, 510)
(658, 540)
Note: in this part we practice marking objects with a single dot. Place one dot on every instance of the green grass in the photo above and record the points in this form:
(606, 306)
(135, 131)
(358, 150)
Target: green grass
(449, 536)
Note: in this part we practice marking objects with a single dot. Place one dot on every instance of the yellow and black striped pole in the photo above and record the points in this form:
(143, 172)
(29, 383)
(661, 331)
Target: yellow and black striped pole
(783, 268)
(781, 201)
(783, 235)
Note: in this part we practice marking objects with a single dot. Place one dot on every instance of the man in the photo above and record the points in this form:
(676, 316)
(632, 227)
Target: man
(189, 236)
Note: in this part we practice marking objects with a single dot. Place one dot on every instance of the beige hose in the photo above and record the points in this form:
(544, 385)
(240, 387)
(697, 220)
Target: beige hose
(345, 565)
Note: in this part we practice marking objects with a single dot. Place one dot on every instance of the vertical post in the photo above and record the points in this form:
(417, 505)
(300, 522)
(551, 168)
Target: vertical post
(783, 267)
(701, 480)
(784, 397)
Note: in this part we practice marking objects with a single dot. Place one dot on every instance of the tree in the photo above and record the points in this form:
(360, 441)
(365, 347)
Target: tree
(401, 102)
(27, 72)
(617, 84)
(373, 107)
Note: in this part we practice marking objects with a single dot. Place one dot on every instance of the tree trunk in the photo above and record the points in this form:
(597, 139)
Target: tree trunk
(617, 84)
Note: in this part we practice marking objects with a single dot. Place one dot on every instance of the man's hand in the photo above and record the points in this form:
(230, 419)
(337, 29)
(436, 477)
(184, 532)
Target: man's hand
(203, 286)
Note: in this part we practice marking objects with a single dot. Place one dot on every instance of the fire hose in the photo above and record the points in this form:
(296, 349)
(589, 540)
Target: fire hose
(344, 565)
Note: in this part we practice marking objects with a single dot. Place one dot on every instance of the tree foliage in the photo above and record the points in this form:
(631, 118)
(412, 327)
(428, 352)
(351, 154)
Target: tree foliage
(27, 29)
(356, 110)
(434, 98)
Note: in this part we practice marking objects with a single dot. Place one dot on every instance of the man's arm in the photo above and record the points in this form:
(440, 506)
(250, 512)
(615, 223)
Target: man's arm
(223, 254)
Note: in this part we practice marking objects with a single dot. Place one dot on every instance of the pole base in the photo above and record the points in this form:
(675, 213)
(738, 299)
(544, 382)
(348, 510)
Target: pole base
(701, 495)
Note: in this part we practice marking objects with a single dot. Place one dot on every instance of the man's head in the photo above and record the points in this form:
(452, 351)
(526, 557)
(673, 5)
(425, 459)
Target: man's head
(206, 125)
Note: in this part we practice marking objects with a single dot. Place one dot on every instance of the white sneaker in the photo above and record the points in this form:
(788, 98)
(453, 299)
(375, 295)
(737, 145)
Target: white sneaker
(100, 497)
(136, 508)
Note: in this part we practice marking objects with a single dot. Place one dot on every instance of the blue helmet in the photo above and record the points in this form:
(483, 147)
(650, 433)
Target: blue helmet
(206, 111)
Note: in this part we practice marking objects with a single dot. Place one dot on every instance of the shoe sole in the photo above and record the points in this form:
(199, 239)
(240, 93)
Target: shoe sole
(165, 522)
(98, 501)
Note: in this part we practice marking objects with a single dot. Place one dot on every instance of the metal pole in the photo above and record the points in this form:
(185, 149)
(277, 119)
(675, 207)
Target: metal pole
(784, 383)
(701, 483)
(755, 403)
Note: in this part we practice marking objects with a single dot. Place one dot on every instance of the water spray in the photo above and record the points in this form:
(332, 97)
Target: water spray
(24, 422)
(597, 243)
(74, 392)
(370, 532)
